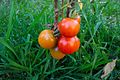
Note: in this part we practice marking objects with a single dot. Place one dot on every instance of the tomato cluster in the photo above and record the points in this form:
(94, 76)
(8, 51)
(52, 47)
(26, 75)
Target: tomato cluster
(66, 43)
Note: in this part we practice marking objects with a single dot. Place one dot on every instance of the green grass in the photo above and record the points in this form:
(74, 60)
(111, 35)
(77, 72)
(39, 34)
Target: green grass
(21, 57)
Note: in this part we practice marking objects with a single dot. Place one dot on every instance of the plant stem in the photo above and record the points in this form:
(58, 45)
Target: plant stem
(64, 6)
(56, 13)
(68, 10)
(72, 3)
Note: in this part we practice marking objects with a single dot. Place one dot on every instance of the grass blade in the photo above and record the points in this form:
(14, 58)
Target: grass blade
(10, 26)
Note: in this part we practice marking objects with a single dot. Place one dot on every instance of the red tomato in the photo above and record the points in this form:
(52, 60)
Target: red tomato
(68, 45)
(69, 27)
(78, 19)
(46, 39)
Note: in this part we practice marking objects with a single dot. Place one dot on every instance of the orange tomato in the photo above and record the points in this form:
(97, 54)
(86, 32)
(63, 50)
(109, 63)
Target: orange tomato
(56, 53)
(46, 39)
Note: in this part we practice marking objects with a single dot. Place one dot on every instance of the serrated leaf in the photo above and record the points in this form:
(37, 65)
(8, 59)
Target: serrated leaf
(109, 68)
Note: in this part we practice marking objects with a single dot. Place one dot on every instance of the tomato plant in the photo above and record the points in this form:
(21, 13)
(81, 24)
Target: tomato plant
(69, 27)
(56, 53)
(46, 39)
(68, 45)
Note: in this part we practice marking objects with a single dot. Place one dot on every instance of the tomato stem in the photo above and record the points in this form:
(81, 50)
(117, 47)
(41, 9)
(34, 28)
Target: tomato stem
(56, 31)
(70, 7)
(56, 13)
(68, 10)
(56, 35)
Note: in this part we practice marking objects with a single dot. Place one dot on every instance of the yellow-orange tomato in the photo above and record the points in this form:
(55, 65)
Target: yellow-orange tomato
(46, 39)
(56, 53)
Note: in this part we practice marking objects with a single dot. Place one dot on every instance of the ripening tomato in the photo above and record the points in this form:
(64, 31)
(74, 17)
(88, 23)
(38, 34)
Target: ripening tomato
(69, 27)
(46, 39)
(78, 19)
(56, 53)
(68, 45)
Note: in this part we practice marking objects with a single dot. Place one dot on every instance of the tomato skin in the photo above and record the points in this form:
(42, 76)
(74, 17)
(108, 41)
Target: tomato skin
(69, 27)
(78, 19)
(56, 53)
(46, 39)
(68, 45)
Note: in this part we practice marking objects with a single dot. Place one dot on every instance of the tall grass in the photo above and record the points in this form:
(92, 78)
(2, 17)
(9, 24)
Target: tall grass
(21, 57)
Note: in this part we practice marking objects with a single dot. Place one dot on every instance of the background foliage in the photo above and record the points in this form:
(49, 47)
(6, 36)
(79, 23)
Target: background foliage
(21, 57)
